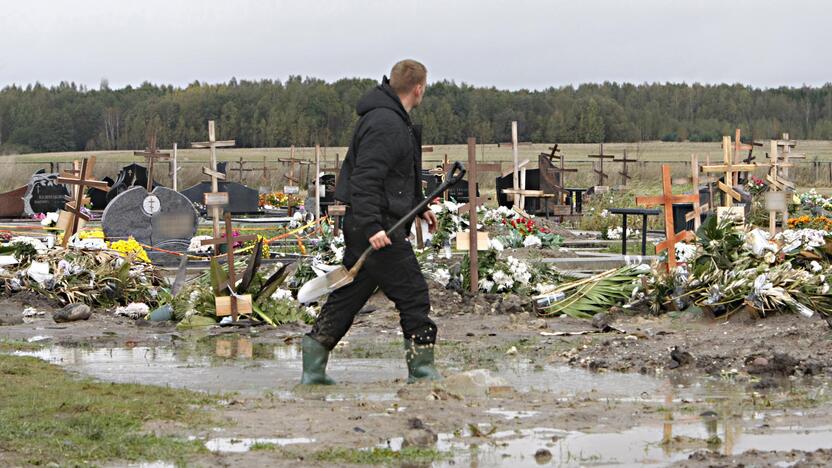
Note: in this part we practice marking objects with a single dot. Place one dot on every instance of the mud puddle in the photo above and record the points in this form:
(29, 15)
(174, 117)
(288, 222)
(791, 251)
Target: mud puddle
(656, 445)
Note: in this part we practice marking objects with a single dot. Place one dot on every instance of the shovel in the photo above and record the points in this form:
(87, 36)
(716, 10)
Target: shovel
(341, 276)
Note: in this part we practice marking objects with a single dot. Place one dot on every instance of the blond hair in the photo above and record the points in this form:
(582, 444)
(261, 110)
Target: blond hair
(406, 74)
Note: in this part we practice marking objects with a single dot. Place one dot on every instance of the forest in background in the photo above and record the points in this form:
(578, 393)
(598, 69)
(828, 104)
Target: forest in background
(305, 111)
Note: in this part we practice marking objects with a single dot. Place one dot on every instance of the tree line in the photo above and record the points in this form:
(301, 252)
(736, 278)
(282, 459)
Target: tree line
(305, 111)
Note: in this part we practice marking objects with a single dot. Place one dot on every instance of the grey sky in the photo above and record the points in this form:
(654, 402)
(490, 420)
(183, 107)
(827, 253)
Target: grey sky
(507, 44)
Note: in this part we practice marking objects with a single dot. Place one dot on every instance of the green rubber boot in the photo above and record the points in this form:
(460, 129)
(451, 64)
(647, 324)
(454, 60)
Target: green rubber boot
(420, 362)
(315, 357)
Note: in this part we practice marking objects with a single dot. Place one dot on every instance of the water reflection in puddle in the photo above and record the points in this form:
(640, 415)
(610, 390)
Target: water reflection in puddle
(237, 445)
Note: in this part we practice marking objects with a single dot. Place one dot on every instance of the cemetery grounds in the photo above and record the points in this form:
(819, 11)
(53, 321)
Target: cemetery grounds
(631, 386)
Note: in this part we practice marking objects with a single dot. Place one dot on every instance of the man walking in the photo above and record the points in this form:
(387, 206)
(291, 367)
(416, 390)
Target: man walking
(380, 182)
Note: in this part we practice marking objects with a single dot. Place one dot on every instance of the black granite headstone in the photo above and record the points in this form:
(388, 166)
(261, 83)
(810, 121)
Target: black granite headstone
(532, 205)
(98, 197)
(44, 194)
(132, 175)
(241, 199)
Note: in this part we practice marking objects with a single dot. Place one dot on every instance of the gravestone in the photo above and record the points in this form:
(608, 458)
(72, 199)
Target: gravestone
(531, 205)
(430, 181)
(327, 192)
(132, 175)
(98, 197)
(164, 218)
(241, 199)
(44, 194)
(11, 203)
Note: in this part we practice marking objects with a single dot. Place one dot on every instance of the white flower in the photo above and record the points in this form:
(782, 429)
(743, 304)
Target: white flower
(312, 311)
(281, 294)
(605, 213)
(51, 219)
(496, 244)
(685, 252)
(196, 246)
(825, 288)
(297, 220)
(338, 251)
(451, 206)
(815, 266)
(757, 241)
(503, 280)
(769, 257)
(532, 241)
(39, 246)
(442, 276)
(485, 284)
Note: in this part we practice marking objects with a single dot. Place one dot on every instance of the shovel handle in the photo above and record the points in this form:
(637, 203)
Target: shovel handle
(453, 176)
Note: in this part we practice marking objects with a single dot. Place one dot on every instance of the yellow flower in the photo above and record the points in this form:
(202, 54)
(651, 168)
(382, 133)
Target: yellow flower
(130, 247)
(96, 234)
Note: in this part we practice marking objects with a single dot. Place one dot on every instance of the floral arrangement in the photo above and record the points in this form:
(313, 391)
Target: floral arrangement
(812, 199)
(130, 249)
(5, 236)
(497, 275)
(275, 200)
(811, 222)
(732, 269)
(755, 185)
(526, 233)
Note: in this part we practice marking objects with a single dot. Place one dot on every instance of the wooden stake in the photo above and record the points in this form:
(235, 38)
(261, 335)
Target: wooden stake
(473, 263)
(516, 179)
(229, 240)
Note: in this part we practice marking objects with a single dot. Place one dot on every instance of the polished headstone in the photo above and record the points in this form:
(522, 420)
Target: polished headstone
(241, 199)
(163, 218)
(44, 194)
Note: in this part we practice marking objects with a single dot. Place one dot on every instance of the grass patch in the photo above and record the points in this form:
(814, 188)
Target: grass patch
(378, 456)
(10, 346)
(633, 247)
(49, 416)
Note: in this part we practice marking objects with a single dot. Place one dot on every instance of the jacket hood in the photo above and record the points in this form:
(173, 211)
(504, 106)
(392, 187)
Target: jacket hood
(381, 96)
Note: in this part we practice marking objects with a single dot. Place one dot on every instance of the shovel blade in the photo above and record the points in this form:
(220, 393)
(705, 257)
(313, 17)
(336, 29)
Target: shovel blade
(325, 284)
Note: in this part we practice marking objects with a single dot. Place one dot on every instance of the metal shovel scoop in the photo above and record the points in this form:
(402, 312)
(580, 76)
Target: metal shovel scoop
(341, 276)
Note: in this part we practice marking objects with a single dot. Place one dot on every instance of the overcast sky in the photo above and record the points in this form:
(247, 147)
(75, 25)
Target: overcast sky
(508, 44)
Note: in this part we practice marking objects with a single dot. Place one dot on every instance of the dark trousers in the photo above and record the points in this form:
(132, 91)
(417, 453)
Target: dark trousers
(395, 270)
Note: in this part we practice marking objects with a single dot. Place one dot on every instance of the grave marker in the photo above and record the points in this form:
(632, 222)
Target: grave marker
(241, 168)
(233, 303)
(82, 180)
(211, 171)
(779, 189)
(666, 200)
(625, 176)
(600, 157)
(473, 262)
(738, 147)
(151, 154)
(729, 168)
(698, 209)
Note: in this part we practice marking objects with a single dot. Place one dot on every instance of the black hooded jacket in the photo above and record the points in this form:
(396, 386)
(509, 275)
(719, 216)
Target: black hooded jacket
(381, 175)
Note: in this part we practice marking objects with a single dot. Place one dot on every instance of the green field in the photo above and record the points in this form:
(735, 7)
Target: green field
(815, 170)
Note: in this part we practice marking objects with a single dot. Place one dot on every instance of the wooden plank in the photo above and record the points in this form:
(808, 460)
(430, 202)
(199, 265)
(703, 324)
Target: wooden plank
(224, 308)
(729, 190)
(337, 210)
(519, 166)
(212, 173)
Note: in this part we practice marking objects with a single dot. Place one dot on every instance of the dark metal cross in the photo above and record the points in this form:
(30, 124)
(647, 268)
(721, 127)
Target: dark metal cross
(241, 168)
(229, 240)
(600, 157)
(151, 154)
(624, 174)
(82, 180)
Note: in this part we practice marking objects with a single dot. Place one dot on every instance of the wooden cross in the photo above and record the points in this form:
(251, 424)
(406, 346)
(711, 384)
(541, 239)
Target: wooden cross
(212, 172)
(151, 154)
(698, 210)
(82, 180)
(624, 174)
(786, 144)
(739, 147)
(553, 163)
(779, 189)
(473, 261)
(600, 157)
(729, 168)
(667, 199)
(241, 168)
(229, 240)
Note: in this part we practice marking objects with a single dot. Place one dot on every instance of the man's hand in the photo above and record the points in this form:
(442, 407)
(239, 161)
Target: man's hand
(430, 217)
(380, 240)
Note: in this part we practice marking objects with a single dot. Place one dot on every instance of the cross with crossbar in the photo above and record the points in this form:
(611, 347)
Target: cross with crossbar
(82, 180)
(729, 168)
(625, 176)
(667, 199)
(211, 171)
(600, 157)
(151, 154)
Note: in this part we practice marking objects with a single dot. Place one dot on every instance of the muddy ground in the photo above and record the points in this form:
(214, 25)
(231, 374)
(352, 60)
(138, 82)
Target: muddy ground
(683, 389)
